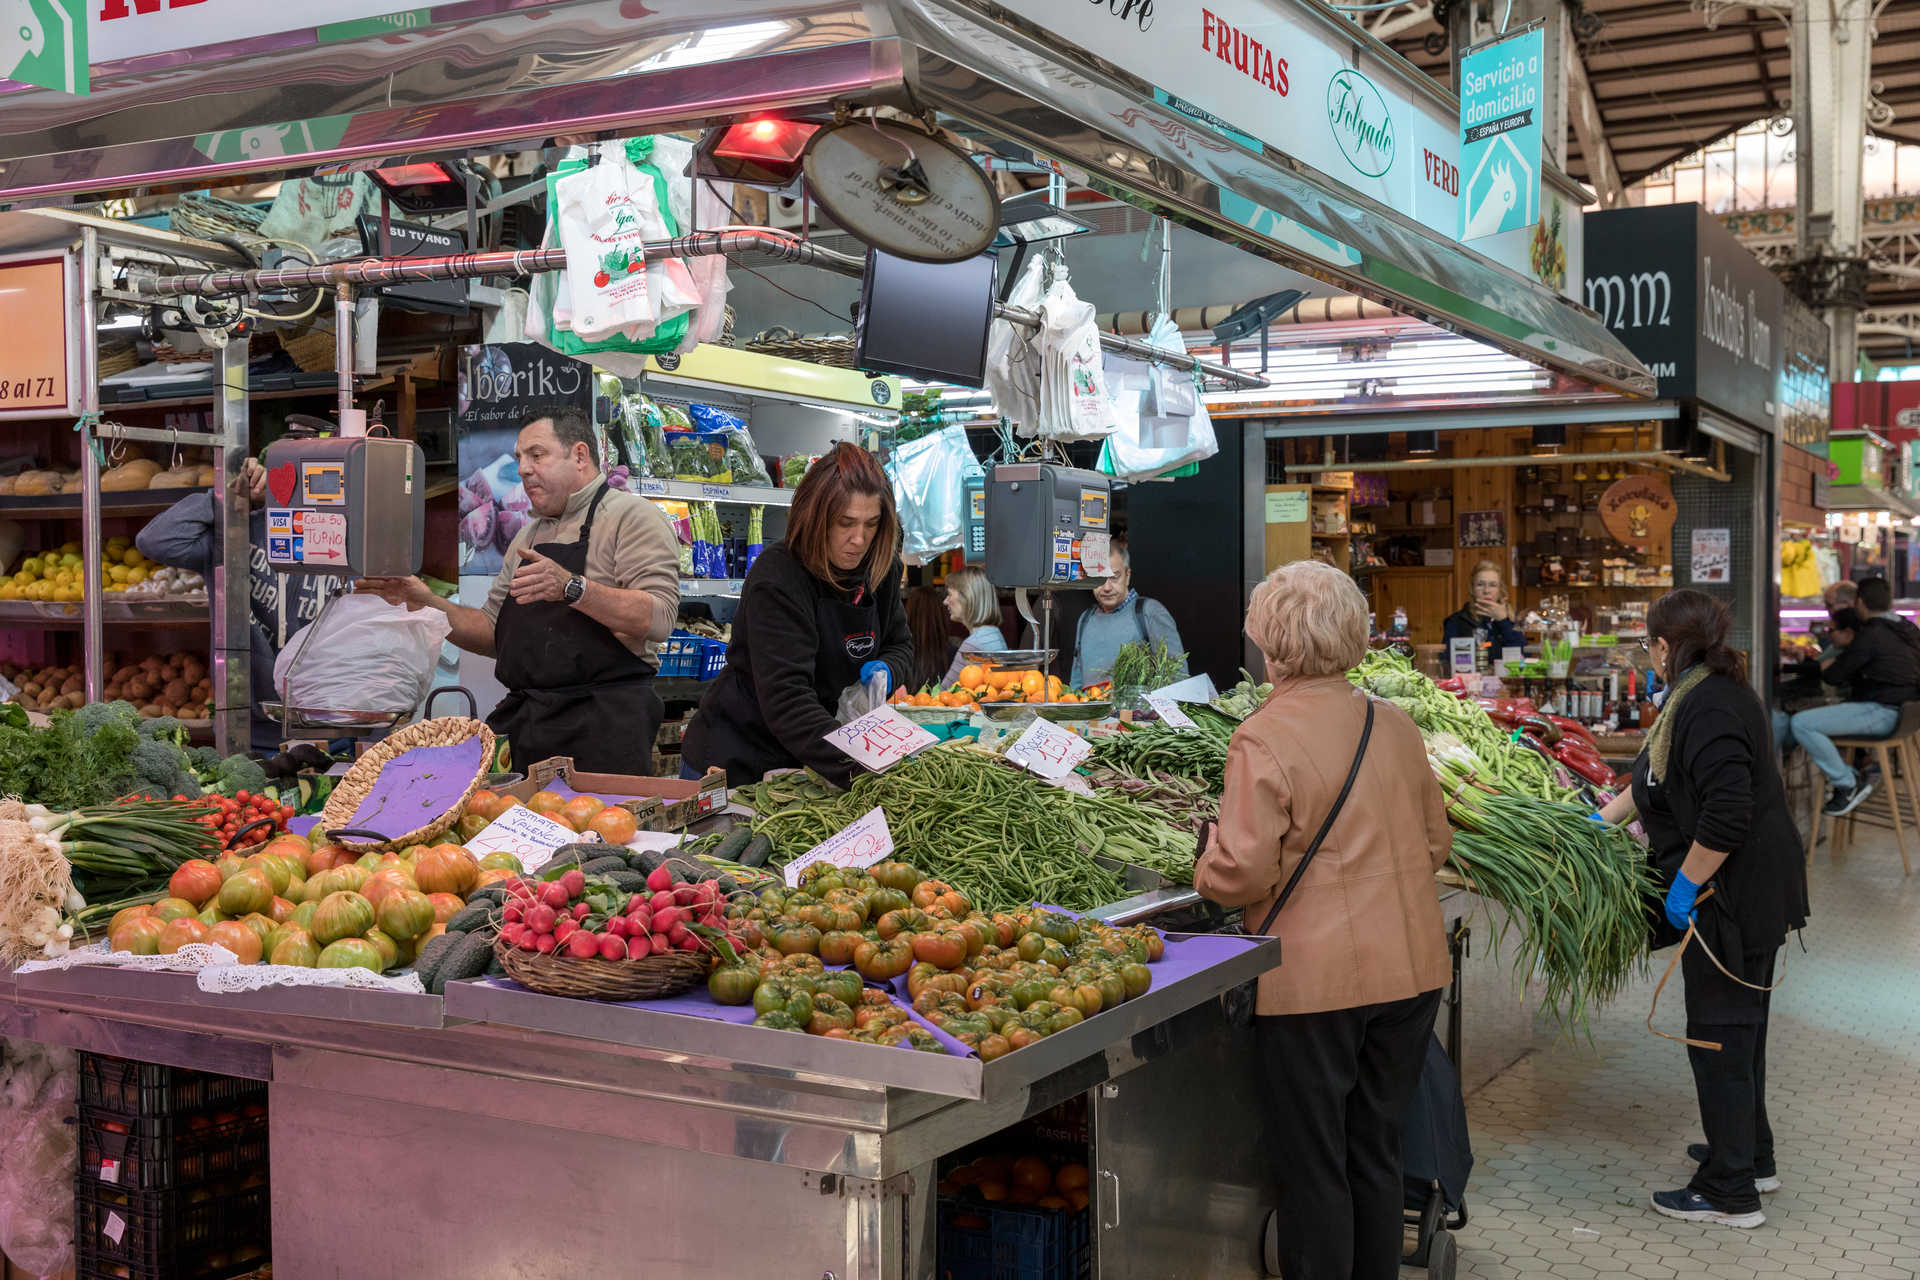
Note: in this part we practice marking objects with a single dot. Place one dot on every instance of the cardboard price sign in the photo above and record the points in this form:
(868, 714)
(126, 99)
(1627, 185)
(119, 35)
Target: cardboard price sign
(529, 836)
(881, 738)
(864, 843)
(1169, 712)
(1198, 688)
(1048, 750)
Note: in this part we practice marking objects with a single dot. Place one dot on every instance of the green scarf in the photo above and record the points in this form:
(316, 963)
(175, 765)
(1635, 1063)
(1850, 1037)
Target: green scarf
(1660, 737)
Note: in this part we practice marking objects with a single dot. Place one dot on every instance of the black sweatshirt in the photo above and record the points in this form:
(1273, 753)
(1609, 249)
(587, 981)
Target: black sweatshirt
(772, 706)
(1881, 665)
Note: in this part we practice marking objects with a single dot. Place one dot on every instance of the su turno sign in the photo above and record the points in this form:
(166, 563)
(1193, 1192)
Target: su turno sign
(1699, 310)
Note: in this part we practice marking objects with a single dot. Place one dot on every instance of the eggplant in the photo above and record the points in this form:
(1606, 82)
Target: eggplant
(310, 756)
(280, 766)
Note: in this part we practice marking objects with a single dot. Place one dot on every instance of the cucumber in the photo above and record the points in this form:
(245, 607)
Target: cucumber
(627, 881)
(600, 866)
(469, 918)
(468, 959)
(648, 860)
(736, 842)
(492, 893)
(428, 961)
(756, 853)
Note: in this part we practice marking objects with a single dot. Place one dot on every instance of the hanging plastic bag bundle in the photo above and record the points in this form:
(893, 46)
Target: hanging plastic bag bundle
(1013, 354)
(929, 479)
(1073, 384)
(742, 458)
(1163, 424)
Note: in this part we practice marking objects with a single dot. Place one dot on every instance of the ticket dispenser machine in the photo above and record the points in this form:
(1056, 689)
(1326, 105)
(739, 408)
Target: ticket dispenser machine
(352, 506)
(1048, 529)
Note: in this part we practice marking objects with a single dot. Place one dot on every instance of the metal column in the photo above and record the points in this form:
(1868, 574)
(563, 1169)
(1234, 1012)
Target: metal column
(92, 536)
(1832, 106)
(231, 579)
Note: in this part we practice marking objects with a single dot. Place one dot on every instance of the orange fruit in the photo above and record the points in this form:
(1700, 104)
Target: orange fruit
(972, 677)
(1071, 1177)
(1034, 1173)
(1033, 682)
(992, 1189)
(614, 824)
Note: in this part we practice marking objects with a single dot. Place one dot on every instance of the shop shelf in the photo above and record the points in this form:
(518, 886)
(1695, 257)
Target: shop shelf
(127, 1151)
(696, 491)
(71, 615)
(149, 1089)
(66, 506)
(1018, 1242)
(171, 1235)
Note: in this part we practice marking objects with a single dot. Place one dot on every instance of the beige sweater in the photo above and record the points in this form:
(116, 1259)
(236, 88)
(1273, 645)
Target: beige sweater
(634, 547)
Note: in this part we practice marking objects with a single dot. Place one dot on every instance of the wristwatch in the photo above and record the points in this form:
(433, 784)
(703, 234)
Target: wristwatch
(575, 588)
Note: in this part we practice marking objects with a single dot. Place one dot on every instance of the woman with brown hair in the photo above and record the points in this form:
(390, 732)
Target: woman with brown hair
(821, 610)
(1728, 863)
(1330, 830)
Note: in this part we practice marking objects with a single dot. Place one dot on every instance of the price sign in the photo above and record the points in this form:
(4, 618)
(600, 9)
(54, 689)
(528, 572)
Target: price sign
(110, 1172)
(326, 537)
(1193, 689)
(1049, 750)
(33, 315)
(114, 1227)
(1169, 712)
(861, 845)
(528, 836)
(881, 738)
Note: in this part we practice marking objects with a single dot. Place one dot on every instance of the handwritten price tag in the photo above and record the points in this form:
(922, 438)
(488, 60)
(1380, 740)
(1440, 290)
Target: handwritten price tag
(1193, 689)
(528, 836)
(881, 738)
(1169, 712)
(1048, 750)
(861, 845)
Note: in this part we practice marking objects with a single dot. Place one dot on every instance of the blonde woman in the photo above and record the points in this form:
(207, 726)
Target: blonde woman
(1339, 803)
(1487, 616)
(974, 604)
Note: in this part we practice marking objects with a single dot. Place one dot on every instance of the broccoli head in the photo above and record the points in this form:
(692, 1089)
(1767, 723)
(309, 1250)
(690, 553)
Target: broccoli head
(163, 766)
(237, 773)
(205, 759)
(97, 715)
(164, 729)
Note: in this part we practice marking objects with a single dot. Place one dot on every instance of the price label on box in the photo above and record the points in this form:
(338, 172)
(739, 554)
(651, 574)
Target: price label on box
(110, 1172)
(881, 739)
(529, 836)
(1049, 750)
(864, 843)
(114, 1227)
(1169, 712)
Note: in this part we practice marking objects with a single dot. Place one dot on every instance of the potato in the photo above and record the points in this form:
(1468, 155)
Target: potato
(175, 691)
(73, 684)
(140, 690)
(151, 711)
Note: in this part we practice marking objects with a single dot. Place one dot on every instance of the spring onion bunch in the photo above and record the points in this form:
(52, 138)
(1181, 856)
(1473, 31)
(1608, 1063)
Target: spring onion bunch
(1502, 762)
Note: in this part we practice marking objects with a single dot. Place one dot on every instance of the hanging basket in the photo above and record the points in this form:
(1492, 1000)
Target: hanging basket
(834, 350)
(313, 349)
(648, 977)
(447, 731)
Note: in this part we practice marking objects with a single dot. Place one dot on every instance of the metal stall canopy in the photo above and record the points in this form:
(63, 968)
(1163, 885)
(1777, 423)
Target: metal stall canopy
(494, 73)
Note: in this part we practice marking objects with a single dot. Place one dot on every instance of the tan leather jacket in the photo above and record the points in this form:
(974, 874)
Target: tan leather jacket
(1364, 925)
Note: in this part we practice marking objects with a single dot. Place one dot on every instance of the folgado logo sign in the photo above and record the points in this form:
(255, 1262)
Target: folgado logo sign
(1362, 126)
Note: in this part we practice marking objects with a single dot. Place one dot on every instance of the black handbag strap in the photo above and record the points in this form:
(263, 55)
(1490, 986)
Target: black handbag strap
(1339, 803)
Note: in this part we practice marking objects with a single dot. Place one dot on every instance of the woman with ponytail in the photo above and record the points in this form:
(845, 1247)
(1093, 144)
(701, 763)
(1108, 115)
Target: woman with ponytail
(1729, 865)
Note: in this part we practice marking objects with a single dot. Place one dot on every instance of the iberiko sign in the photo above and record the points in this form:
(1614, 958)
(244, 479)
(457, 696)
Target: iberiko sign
(1362, 126)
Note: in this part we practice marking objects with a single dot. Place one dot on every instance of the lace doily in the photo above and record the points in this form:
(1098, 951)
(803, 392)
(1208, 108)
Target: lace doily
(254, 977)
(193, 957)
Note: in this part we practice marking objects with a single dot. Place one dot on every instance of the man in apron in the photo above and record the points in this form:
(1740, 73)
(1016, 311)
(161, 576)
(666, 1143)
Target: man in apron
(587, 591)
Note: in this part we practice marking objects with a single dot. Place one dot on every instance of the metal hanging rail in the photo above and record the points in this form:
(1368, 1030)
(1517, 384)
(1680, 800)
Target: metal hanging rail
(525, 262)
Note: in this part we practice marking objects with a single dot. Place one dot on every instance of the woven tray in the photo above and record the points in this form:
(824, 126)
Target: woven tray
(644, 978)
(445, 731)
(314, 350)
(834, 350)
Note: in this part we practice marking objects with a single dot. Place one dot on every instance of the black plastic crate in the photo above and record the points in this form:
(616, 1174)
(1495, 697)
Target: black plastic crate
(149, 1089)
(144, 1153)
(170, 1235)
(1018, 1242)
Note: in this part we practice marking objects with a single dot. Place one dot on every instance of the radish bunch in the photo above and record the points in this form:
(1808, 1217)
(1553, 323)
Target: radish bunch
(587, 917)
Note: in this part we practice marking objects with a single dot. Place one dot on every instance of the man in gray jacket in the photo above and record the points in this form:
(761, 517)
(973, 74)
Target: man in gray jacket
(1120, 616)
(186, 536)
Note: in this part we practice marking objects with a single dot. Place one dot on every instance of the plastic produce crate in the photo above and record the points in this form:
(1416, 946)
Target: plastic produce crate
(145, 1153)
(149, 1089)
(1018, 1243)
(169, 1235)
(684, 656)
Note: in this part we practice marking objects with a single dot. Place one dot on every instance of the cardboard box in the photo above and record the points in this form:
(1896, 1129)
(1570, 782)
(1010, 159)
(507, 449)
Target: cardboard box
(1395, 515)
(1437, 556)
(657, 804)
(1434, 511)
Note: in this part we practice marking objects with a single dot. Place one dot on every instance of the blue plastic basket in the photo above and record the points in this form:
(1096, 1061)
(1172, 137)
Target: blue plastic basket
(713, 656)
(1018, 1243)
(681, 655)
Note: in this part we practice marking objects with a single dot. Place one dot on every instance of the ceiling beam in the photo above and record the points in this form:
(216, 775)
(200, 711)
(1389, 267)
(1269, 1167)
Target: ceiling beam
(1395, 21)
(1633, 173)
(1590, 128)
(1683, 66)
(1602, 46)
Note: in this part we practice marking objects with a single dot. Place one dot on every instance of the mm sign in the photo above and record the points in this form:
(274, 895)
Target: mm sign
(1500, 135)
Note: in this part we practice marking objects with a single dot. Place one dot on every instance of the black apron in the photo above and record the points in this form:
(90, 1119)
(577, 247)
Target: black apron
(732, 731)
(575, 689)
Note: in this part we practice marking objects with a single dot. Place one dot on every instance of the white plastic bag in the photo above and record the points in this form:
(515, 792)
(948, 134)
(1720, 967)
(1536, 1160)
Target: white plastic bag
(367, 655)
(857, 699)
(1013, 354)
(1073, 384)
(929, 477)
(1163, 424)
(603, 218)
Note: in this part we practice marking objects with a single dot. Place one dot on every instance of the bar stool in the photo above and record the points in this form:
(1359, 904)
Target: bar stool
(1898, 755)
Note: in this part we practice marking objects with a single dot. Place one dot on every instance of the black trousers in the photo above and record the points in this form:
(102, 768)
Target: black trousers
(1732, 1087)
(1342, 1081)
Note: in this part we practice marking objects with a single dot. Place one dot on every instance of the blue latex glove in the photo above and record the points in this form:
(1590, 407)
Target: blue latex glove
(1680, 900)
(879, 668)
(1595, 817)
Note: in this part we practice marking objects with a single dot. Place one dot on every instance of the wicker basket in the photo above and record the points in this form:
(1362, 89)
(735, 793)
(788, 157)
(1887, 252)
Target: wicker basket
(314, 349)
(834, 350)
(117, 360)
(210, 217)
(442, 732)
(648, 977)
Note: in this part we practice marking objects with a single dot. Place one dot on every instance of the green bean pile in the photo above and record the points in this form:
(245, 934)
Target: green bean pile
(1580, 892)
(1199, 752)
(1503, 764)
(998, 834)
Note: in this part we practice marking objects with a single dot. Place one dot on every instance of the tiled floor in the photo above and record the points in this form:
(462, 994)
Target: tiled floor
(1570, 1141)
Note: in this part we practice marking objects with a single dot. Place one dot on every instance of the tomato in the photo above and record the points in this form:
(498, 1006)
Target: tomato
(239, 939)
(884, 959)
(246, 891)
(781, 995)
(1113, 989)
(779, 1020)
(945, 1003)
(178, 933)
(1056, 955)
(946, 949)
(842, 984)
(1030, 947)
(985, 992)
(733, 984)
(975, 931)
(829, 1012)
(1029, 991)
(993, 1045)
(1063, 1019)
(894, 923)
(802, 964)
(406, 913)
(197, 882)
(348, 953)
(614, 824)
(794, 938)
(341, 915)
(836, 946)
(896, 875)
(445, 906)
(1021, 1037)
(883, 899)
(927, 892)
(1137, 978)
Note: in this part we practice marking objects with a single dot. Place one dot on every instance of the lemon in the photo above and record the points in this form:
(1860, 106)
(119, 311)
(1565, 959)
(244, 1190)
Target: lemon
(119, 573)
(31, 566)
(71, 559)
(69, 548)
(67, 595)
(137, 575)
(9, 592)
(120, 541)
(133, 559)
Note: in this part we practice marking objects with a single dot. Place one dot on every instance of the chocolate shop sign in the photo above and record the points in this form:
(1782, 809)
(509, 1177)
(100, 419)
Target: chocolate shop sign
(1699, 310)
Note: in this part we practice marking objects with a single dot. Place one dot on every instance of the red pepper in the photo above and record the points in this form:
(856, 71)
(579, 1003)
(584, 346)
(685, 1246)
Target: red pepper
(1588, 767)
(1452, 684)
(1573, 728)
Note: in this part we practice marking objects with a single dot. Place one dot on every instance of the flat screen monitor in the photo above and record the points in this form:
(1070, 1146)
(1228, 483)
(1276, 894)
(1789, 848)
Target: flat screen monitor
(926, 320)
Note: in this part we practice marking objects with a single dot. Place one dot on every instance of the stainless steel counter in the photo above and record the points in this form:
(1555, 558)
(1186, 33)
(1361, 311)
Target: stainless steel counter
(421, 1136)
